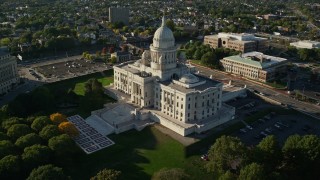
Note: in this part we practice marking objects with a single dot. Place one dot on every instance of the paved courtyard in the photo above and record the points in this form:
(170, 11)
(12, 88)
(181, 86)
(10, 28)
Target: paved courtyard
(89, 140)
(118, 115)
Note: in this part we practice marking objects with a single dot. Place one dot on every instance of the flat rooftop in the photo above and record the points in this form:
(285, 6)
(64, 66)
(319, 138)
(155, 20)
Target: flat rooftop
(209, 84)
(3, 51)
(254, 59)
(238, 36)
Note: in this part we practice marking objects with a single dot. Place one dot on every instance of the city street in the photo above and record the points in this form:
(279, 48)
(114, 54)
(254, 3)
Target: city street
(274, 94)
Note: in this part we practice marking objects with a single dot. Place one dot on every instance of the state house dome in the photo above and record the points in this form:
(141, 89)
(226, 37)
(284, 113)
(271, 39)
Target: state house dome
(189, 79)
(163, 37)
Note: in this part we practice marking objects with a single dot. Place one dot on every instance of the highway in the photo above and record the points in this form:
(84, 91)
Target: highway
(277, 95)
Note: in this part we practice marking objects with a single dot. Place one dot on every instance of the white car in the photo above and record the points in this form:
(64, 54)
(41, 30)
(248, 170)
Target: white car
(249, 127)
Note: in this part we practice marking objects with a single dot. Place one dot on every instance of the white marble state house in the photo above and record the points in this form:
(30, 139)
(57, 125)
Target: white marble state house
(169, 92)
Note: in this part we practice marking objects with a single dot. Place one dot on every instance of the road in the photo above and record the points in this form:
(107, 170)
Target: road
(274, 94)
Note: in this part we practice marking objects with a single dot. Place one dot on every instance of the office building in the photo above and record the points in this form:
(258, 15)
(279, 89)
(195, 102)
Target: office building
(239, 42)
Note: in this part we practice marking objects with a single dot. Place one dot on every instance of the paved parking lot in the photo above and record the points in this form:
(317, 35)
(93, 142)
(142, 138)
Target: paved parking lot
(282, 126)
(89, 139)
(70, 68)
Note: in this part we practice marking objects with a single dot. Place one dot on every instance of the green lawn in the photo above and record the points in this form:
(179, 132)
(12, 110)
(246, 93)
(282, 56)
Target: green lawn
(79, 87)
(77, 84)
(138, 155)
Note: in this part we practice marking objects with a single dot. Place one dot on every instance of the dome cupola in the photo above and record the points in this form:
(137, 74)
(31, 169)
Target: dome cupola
(163, 37)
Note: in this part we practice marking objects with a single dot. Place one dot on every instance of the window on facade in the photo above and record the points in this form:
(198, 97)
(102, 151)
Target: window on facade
(177, 104)
(181, 106)
(188, 114)
(207, 102)
(203, 112)
(189, 99)
(188, 106)
(202, 104)
(195, 105)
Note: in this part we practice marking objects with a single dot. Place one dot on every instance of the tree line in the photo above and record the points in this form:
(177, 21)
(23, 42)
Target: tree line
(205, 54)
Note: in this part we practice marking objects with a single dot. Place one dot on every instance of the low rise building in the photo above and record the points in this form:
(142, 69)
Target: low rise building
(8, 71)
(121, 56)
(239, 42)
(306, 44)
(256, 66)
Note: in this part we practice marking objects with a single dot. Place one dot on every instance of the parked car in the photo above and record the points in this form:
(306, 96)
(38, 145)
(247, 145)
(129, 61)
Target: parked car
(205, 157)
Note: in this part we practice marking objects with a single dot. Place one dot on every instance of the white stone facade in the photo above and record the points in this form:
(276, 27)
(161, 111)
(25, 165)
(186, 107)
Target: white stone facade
(176, 98)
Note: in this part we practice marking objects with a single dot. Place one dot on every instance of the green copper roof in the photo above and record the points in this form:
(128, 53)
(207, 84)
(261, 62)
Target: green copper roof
(245, 60)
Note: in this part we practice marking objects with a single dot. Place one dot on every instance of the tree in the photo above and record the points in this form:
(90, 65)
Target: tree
(3, 136)
(167, 174)
(228, 176)
(170, 24)
(9, 167)
(107, 174)
(40, 122)
(18, 130)
(6, 148)
(47, 172)
(93, 86)
(301, 156)
(252, 171)
(104, 51)
(197, 54)
(84, 54)
(69, 128)
(28, 140)
(111, 50)
(62, 145)
(36, 155)
(42, 100)
(113, 60)
(269, 152)
(49, 131)
(6, 124)
(227, 153)
(5, 42)
(58, 118)
(306, 54)
(125, 48)
(209, 59)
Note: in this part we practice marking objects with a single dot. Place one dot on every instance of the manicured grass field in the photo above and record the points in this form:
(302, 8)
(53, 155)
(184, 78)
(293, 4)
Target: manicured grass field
(79, 87)
(77, 84)
(138, 155)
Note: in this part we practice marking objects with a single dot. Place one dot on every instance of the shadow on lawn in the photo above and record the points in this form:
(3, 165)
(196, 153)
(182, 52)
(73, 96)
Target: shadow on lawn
(123, 156)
